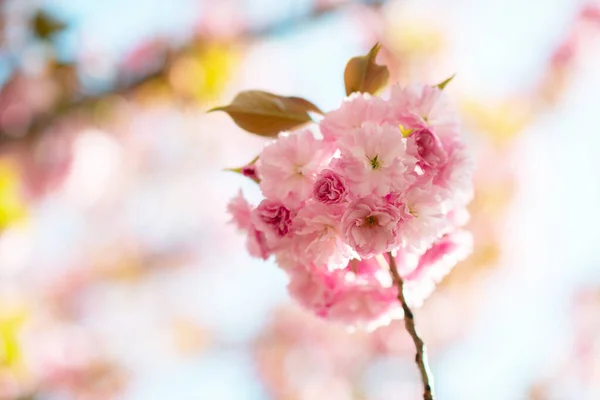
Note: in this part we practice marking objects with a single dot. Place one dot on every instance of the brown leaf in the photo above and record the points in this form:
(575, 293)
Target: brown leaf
(267, 114)
(306, 104)
(443, 84)
(362, 74)
(46, 25)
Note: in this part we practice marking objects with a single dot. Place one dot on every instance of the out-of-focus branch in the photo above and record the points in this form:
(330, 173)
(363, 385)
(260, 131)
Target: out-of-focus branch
(125, 85)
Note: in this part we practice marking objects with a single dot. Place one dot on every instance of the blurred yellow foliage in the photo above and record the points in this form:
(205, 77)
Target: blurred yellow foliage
(415, 38)
(12, 206)
(152, 92)
(11, 321)
(125, 266)
(203, 72)
(189, 337)
(492, 200)
(501, 121)
(199, 74)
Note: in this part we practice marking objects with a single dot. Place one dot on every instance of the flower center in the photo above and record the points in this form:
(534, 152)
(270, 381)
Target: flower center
(375, 163)
(371, 221)
(413, 212)
(353, 264)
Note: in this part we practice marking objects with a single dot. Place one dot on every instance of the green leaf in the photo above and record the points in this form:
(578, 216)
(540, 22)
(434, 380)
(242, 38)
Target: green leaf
(267, 114)
(443, 84)
(362, 74)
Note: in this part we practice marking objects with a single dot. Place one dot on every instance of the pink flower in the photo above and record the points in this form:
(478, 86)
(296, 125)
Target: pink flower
(329, 188)
(459, 216)
(427, 148)
(397, 200)
(419, 106)
(370, 226)
(362, 191)
(318, 237)
(257, 244)
(289, 166)
(249, 171)
(272, 218)
(422, 272)
(241, 212)
(457, 174)
(366, 304)
(428, 206)
(443, 255)
(369, 298)
(374, 160)
(353, 298)
(356, 110)
(314, 289)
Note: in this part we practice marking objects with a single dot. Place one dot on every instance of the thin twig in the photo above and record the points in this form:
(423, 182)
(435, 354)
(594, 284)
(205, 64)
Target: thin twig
(409, 323)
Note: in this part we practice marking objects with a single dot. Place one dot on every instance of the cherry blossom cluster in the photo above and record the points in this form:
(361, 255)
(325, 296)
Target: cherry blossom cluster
(377, 176)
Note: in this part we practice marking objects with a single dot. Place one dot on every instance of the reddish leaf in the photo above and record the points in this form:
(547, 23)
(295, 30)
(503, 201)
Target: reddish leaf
(306, 104)
(362, 74)
(267, 114)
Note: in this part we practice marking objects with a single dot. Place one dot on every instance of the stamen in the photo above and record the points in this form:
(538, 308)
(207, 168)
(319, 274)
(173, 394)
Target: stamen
(375, 164)
(371, 220)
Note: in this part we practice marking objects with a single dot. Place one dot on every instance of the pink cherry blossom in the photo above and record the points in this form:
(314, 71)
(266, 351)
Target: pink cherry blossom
(420, 106)
(250, 171)
(457, 174)
(272, 218)
(443, 254)
(422, 272)
(397, 200)
(314, 289)
(330, 188)
(362, 294)
(242, 216)
(459, 216)
(366, 305)
(317, 231)
(427, 148)
(257, 244)
(428, 206)
(362, 191)
(357, 109)
(241, 212)
(289, 166)
(369, 298)
(370, 226)
(374, 160)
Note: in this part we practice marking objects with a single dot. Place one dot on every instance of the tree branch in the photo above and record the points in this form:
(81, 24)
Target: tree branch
(409, 323)
(124, 85)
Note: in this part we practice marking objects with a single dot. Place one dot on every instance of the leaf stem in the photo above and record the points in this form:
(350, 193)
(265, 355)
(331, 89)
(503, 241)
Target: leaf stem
(409, 323)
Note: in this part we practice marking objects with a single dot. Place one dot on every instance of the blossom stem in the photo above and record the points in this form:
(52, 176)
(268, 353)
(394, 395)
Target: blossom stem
(409, 323)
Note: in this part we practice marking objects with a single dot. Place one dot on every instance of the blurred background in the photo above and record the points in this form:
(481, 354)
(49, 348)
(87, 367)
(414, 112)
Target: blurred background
(121, 279)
